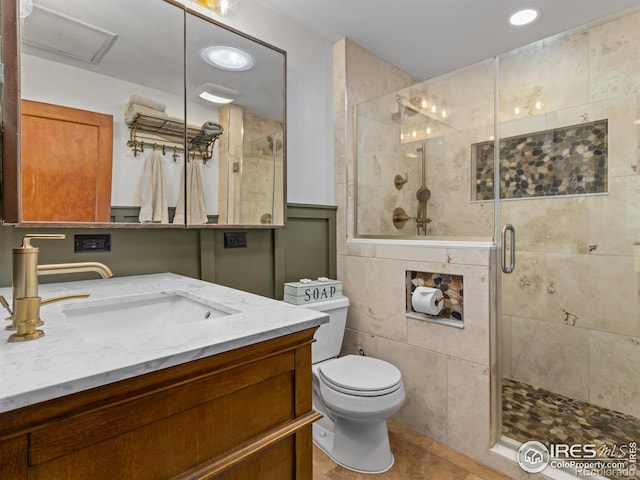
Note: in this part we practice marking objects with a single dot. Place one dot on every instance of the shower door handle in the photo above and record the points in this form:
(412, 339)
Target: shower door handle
(512, 248)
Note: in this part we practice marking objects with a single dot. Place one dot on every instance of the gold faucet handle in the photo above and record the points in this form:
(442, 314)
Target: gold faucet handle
(5, 305)
(26, 240)
(61, 298)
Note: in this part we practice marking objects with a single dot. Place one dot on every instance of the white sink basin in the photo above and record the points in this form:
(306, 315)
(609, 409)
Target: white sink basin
(111, 318)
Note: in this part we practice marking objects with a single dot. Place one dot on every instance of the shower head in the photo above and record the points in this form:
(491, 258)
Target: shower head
(277, 145)
(423, 194)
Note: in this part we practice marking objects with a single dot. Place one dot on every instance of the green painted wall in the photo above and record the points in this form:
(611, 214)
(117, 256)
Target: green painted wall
(306, 248)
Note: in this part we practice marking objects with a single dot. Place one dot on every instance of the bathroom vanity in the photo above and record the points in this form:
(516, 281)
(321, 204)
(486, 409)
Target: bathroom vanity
(213, 383)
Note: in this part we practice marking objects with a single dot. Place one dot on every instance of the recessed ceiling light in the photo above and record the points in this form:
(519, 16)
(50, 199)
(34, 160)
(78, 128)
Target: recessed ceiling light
(210, 97)
(214, 93)
(523, 17)
(228, 58)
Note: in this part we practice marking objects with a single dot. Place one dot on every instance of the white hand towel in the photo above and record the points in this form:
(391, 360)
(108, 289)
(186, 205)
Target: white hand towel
(211, 128)
(132, 111)
(196, 210)
(147, 102)
(153, 190)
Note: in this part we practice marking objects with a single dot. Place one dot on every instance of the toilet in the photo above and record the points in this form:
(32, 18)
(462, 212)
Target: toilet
(356, 395)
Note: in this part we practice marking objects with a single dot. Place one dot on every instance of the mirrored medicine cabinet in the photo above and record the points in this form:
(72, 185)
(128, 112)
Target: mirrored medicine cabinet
(108, 118)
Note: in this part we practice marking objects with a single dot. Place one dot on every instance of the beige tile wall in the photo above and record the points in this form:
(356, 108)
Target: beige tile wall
(445, 369)
(387, 147)
(571, 312)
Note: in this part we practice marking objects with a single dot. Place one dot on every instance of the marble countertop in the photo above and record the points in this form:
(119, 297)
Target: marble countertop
(65, 362)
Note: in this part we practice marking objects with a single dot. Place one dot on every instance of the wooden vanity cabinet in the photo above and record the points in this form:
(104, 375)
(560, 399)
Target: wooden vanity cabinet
(243, 414)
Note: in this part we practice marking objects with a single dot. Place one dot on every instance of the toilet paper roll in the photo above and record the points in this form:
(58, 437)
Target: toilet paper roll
(427, 300)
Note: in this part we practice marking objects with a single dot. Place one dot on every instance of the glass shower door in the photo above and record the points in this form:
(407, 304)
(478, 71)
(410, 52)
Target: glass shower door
(569, 184)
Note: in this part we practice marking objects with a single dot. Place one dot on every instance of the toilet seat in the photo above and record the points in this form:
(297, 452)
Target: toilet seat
(360, 376)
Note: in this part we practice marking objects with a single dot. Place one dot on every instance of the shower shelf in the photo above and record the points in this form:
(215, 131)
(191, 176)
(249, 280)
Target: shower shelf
(168, 134)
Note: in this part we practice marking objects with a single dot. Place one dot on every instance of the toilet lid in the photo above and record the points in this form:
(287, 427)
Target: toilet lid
(360, 376)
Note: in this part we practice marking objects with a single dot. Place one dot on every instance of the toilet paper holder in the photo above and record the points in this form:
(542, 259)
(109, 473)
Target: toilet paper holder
(446, 305)
(427, 300)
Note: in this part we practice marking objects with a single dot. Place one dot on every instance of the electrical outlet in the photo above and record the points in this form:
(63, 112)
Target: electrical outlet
(235, 239)
(92, 243)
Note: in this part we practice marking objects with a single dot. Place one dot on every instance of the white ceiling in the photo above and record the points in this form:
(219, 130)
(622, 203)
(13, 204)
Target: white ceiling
(427, 38)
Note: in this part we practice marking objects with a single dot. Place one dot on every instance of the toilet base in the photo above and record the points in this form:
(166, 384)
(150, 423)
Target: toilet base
(359, 446)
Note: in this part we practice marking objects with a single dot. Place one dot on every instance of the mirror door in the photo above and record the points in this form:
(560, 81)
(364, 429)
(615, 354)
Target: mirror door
(235, 85)
(122, 62)
(115, 72)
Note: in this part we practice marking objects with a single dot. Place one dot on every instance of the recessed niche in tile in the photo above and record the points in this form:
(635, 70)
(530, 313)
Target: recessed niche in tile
(452, 289)
(562, 161)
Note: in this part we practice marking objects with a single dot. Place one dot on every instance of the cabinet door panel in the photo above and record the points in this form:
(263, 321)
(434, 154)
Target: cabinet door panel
(277, 463)
(13, 457)
(66, 159)
(156, 451)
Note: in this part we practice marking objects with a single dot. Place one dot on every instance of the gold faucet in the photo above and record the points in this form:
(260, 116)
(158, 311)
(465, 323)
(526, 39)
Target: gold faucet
(25, 315)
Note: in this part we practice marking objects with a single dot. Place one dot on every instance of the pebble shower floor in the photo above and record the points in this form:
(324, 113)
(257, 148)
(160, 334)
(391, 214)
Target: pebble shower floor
(530, 413)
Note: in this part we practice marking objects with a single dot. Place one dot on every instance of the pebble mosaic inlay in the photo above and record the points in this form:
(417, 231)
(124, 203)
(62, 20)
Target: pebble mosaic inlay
(530, 413)
(563, 161)
(451, 287)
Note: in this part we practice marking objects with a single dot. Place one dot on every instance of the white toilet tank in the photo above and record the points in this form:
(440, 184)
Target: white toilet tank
(329, 335)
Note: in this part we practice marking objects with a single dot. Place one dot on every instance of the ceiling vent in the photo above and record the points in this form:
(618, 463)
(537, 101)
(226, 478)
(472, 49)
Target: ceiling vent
(53, 32)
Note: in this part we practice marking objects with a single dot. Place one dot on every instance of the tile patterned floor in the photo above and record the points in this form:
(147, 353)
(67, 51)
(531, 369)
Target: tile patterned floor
(530, 413)
(416, 458)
